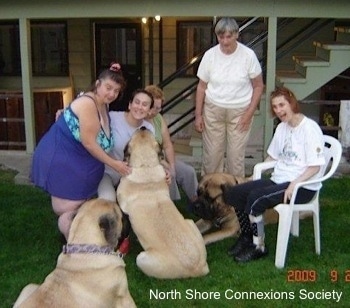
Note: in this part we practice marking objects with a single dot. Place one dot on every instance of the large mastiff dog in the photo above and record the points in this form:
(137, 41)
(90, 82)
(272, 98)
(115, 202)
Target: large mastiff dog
(218, 220)
(173, 247)
(88, 273)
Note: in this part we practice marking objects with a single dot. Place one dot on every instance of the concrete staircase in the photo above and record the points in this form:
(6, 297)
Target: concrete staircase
(189, 150)
(310, 73)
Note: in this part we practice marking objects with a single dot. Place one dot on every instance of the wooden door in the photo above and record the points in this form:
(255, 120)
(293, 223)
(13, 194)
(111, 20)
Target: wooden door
(120, 42)
(12, 134)
(46, 105)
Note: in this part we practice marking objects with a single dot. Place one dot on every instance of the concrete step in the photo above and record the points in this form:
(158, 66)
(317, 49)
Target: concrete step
(252, 157)
(290, 77)
(182, 146)
(313, 71)
(343, 34)
(310, 61)
(342, 29)
(332, 45)
(196, 162)
(188, 146)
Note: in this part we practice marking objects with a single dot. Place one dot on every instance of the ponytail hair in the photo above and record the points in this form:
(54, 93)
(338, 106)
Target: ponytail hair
(115, 73)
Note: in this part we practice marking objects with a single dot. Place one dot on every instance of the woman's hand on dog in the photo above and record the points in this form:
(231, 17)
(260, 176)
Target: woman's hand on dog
(122, 167)
(167, 176)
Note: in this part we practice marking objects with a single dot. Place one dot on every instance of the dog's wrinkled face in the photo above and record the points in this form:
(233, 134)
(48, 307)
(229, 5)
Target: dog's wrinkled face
(209, 203)
(206, 206)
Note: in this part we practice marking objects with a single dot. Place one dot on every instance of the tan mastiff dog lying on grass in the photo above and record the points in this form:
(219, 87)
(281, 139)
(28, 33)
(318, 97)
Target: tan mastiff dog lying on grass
(89, 273)
(218, 220)
(173, 246)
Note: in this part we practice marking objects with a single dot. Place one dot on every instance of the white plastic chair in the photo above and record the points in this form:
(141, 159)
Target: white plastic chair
(289, 213)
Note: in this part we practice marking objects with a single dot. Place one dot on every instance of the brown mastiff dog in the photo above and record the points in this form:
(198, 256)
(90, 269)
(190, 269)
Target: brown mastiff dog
(218, 220)
(89, 273)
(173, 246)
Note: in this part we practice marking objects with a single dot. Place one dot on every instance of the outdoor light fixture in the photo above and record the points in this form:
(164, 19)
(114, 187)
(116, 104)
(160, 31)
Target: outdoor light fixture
(145, 19)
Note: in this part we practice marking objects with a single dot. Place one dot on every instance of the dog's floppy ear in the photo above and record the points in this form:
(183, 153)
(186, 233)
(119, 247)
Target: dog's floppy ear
(160, 152)
(108, 224)
(205, 188)
(126, 153)
(126, 226)
(224, 187)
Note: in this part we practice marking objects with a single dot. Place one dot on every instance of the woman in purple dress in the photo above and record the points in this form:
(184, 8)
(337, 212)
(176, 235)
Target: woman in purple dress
(69, 160)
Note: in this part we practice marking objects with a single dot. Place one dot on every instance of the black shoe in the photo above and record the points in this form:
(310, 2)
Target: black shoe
(251, 253)
(244, 241)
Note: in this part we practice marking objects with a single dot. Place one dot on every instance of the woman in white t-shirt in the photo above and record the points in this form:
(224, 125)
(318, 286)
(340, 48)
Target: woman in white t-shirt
(298, 148)
(228, 93)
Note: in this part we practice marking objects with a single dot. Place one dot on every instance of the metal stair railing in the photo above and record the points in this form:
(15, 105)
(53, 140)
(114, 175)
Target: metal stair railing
(282, 49)
(175, 100)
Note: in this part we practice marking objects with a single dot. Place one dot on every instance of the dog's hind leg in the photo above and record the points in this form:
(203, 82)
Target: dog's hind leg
(156, 265)
(151, 265)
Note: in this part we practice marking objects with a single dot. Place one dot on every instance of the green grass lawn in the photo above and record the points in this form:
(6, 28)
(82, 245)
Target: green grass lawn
(30, 244)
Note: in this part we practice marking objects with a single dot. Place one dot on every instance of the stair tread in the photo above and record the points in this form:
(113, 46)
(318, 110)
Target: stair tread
(342, 29)
(196, 162)
(332, 45)
(183, 141)
(183, 149)
(310, 61)
(290, 76)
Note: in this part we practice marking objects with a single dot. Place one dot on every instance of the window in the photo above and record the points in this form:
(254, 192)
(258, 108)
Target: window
(49, 49)
(10, 59)
(193, 37)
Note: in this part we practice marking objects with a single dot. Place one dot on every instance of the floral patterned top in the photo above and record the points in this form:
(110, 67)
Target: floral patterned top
(73, 124)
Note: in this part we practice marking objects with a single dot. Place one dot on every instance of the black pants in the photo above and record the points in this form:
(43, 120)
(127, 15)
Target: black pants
(255, 197)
